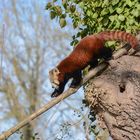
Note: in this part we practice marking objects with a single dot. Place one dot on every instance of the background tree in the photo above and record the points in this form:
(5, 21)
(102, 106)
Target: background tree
(29, 47)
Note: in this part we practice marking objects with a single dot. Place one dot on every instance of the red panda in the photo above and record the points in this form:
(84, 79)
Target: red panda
(87, 52)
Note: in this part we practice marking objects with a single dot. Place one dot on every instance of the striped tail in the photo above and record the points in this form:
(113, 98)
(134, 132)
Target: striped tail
(122, 36)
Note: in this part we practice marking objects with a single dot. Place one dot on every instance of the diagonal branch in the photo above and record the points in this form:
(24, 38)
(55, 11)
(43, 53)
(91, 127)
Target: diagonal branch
(53, 102)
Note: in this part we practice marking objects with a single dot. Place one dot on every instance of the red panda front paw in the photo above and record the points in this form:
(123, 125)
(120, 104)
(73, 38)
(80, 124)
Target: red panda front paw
(55, 94)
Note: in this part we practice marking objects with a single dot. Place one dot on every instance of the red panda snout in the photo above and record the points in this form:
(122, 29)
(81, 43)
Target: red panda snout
(54, 78)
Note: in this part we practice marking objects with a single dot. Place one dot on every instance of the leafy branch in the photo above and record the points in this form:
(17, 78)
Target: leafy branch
(90, 17)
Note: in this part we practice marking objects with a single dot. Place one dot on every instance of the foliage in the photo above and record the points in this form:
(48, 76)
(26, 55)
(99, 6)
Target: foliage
(91, 16)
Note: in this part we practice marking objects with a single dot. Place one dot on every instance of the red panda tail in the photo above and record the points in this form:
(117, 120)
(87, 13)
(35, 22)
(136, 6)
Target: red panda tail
(121, 35)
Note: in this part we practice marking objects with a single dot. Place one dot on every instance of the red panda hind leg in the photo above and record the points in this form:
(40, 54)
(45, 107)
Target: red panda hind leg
(106, 53)
(93, 64)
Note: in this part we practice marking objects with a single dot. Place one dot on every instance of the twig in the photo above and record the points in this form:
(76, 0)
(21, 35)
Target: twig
(61, 97)
(2, 47)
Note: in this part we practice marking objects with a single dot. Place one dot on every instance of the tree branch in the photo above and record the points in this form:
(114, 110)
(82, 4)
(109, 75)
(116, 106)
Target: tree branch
(52, 103)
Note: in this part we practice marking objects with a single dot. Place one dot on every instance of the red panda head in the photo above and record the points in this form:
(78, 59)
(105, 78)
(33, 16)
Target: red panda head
(54, 77)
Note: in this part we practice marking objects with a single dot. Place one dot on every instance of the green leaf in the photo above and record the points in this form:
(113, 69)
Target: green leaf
(117, 24)
(119, 10)
(48, 6)
(52, 14)
(126, 12)
(100, 19)
(138, 6)
(88, 13)
(104, 12)
(74, 42)
(95, 15)
(99, 28)
(105, 2)
(63, 16)
(121, 17)
(112, 18)
(110, 43)
(78, 34)
(75, 24)
(62, 22)
(114, 2)
(72, 8)
(111, 9)
(58, 10)
(81, 4)
(105, 21)
(130, 21)
(77, 1)
(136, 13)
(65, 3)
(129, 3)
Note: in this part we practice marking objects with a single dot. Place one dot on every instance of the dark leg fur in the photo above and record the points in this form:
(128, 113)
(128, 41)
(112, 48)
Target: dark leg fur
(77, 77)
(106, 53)
(58, 91)
(93, 64)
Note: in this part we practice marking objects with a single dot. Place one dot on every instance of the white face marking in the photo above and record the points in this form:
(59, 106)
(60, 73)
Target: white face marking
(53, 76)
(55, 86)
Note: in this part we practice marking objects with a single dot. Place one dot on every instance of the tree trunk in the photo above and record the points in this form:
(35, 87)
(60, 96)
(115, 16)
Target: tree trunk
(115, 98)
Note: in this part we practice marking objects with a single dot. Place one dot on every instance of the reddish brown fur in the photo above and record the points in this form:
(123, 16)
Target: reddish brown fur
(86, 50)
(90, 48)
(120, 35)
